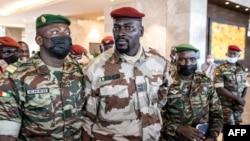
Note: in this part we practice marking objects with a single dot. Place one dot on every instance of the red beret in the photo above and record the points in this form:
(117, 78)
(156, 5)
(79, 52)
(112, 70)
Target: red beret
(127, 12)
(7, 41)
(78, 49)
(234, 47)
(107, 40)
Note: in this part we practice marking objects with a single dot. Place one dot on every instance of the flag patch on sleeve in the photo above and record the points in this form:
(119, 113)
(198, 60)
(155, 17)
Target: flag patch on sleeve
(4, 94)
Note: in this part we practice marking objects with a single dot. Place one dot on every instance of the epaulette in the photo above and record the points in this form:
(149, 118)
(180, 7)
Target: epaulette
(201, 74)
(11, 68)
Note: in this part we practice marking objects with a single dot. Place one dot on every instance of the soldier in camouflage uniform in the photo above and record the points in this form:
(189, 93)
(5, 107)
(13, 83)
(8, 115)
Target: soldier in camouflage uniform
(126, 86)
(42, 98)
(191, 100)
(231, 84)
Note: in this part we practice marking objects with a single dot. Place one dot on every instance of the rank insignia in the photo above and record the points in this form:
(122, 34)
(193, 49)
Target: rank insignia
(11, 68)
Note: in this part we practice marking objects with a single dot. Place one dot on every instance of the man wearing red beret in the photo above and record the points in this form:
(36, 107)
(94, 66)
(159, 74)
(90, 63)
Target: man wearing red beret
(107, 43)
(77, 51)
(230, 79)
(8, 52)
(126, 86)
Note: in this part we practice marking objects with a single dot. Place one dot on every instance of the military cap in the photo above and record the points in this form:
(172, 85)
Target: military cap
(47, 19)
(185, 47)
(78, 49)
(107, 40)
(7, 41)
(127, 12)
(234, 47)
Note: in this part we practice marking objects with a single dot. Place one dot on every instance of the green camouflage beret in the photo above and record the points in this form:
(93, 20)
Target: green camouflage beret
(47, 19)
(185, 47)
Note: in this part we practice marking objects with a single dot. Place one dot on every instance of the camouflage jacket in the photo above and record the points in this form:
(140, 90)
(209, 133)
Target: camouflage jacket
(231, 77)
(172, 69)
(191, 103)
(38, 105)
(124, 100)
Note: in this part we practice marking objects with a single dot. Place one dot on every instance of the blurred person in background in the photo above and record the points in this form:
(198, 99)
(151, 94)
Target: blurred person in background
(78, 51)
(209, 66)
(230, 80)
(107, 43)
(23, 51)
(8, 52)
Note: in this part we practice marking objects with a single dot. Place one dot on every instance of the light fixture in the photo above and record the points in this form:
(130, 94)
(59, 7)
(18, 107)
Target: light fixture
(24, 5)
(247, 9)
(100, 18)
(227, 2)
(237, 6)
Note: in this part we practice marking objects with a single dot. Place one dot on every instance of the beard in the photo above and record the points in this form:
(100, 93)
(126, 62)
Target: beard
(122, 45)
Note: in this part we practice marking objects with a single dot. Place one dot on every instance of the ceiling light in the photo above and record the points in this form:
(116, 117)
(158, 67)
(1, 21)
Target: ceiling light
(227, 2)
(100, 18)
(247, 9)
(237, 6)
(24, 5)
(112, 0)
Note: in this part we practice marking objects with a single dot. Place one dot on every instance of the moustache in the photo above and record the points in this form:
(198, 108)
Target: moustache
(121, 38)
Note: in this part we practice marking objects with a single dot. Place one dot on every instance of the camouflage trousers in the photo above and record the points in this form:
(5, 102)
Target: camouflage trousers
(231, 117)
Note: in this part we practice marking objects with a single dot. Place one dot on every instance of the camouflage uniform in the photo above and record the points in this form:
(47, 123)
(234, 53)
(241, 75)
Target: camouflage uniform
(234, 79)
(124, 100)
(172, 69)
(39, 104)
(191, 103)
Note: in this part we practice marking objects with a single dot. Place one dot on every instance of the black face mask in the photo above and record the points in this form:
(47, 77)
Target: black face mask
(187, 70)
(11, 59)
(60, 46)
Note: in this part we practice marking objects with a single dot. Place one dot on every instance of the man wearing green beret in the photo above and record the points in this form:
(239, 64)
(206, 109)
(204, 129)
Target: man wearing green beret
(192, 101)
(41, 98)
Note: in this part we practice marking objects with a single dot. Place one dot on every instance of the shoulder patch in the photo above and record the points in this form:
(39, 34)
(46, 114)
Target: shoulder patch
(11, 68)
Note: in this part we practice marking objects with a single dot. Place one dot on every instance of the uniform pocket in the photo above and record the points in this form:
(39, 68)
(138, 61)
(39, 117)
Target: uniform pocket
(38, 105)
(175, 106)
(116, 104)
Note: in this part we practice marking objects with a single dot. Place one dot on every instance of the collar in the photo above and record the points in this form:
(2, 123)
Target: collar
(42, 68)
(139, 57)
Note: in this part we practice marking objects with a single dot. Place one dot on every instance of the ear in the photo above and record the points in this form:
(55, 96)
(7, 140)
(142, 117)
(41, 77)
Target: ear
(141, 31)
(39, 40)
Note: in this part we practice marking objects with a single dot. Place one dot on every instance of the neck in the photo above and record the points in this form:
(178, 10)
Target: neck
(189, 77)
(51, 61)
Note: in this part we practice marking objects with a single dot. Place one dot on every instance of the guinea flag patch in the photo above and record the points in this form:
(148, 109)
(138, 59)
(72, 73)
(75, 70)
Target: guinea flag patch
(4, 94)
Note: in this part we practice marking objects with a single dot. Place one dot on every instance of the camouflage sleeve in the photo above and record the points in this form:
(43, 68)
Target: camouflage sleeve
(90, 111)
(169, 127)
(10, 115)
(218, 78)
(162, 94)
(215, 116)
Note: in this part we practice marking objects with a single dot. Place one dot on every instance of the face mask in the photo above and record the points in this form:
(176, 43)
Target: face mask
(210, 60)
(187, 70)
(232, 60)
(11, 59)
(60, 46)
